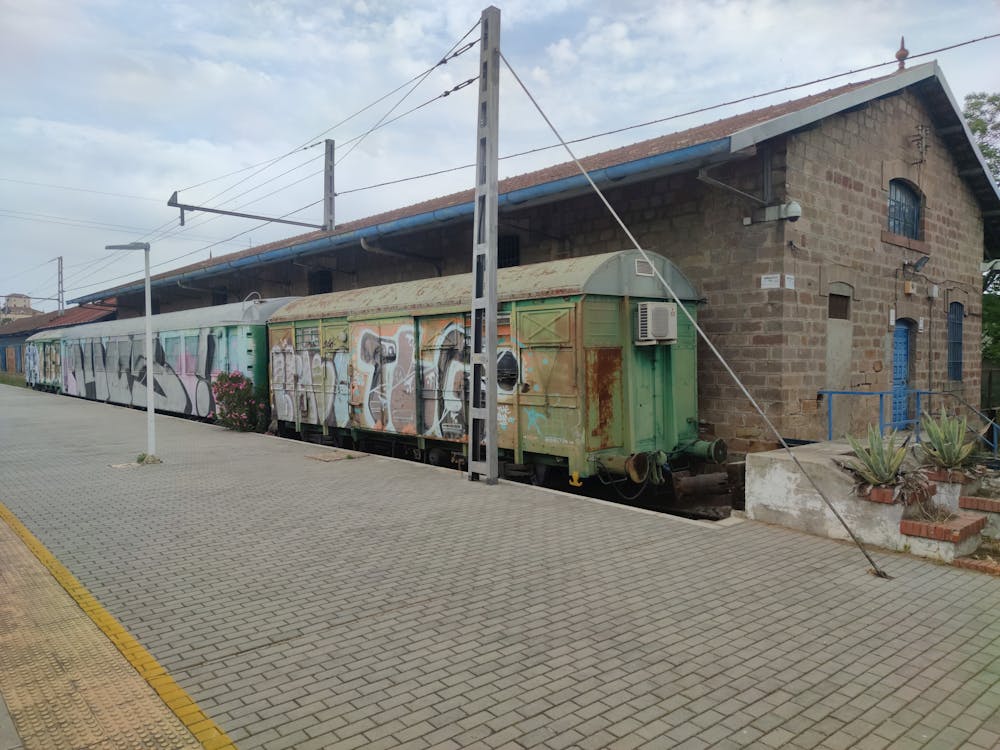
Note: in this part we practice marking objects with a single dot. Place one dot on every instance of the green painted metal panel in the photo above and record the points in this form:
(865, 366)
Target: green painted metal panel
(682, 401)
(601, 321)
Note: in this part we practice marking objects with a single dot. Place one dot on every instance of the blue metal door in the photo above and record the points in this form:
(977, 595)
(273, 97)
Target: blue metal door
(900, 374)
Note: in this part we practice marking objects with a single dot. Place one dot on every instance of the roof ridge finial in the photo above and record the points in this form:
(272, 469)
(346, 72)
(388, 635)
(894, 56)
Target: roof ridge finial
(902, 53)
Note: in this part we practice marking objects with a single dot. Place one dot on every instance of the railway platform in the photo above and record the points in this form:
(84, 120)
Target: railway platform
(255, 592)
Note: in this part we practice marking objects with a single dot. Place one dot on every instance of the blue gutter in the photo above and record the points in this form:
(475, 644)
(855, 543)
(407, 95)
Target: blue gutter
(512, 199)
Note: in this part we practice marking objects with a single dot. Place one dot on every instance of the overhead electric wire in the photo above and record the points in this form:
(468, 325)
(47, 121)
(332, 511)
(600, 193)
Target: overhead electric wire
(668, 118)
(450, 54)
(168, 230)
(442, 95)
(51, 281)
(272, 179)
(79, 189)
(105, 261)
(418, 79)
(27, 270)
(161, 232)
(200, 249)
(69, 221)
(680, 305)
(582, 139)
(88, 263)
(308, 144)
(356, 139)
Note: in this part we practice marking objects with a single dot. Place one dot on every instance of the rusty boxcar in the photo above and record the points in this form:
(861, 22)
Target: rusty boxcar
(596, 370)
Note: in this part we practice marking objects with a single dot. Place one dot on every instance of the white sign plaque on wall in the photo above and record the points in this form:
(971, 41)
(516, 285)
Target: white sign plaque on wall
(789, 281)
(770, 281)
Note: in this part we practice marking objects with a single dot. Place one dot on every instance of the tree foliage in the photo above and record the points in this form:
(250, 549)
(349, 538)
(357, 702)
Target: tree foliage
(982, 111)
(991, 327)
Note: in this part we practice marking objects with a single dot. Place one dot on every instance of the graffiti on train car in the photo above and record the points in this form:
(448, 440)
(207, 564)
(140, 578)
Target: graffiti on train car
(115, 370)
(31, 364)
(443, 378)
(50, 363)
(383, 394)
(366, 376)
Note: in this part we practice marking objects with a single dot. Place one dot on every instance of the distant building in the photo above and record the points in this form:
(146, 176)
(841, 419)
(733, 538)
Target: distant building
(17, 306)
(15, 333)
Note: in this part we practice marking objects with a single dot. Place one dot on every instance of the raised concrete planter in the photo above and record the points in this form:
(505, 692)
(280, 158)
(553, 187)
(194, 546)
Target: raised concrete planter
(950, 486)
(776, 492)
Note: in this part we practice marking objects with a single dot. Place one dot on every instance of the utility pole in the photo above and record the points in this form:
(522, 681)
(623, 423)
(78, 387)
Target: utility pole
(151, 457)
(329, 218)
(62, 307)
(483, 384)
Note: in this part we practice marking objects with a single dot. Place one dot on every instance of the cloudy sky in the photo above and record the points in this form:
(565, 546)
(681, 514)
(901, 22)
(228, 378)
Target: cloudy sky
(109, 106)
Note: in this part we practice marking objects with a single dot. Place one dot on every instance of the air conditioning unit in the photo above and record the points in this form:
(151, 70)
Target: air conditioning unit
(657, 323)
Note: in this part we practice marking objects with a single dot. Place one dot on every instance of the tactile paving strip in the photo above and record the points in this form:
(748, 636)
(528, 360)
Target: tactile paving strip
(64, 682)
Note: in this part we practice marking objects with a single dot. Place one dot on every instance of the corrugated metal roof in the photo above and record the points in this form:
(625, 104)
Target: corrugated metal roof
(608, 273)
(71, 317)
(254, 312)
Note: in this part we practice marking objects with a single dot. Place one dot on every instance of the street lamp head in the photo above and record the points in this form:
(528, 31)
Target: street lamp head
(129, 246)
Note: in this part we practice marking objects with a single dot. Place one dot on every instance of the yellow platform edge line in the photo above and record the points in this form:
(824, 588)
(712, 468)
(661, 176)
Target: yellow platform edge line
(208, 733)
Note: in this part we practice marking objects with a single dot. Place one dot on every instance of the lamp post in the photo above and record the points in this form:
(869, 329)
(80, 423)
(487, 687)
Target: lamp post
(150, 390)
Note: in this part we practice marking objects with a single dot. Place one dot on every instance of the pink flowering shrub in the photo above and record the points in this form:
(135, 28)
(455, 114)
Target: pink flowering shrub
(237, 404)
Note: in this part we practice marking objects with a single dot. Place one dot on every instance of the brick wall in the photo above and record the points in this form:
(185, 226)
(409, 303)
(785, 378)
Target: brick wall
(840, 172)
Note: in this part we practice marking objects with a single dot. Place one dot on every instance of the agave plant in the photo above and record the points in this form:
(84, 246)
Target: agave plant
(945, 445)
(877, 463)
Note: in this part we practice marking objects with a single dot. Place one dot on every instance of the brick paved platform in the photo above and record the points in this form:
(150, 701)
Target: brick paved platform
(61, 678)
(374, 603)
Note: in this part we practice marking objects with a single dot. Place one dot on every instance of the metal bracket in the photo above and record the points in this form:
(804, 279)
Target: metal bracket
(185, 207)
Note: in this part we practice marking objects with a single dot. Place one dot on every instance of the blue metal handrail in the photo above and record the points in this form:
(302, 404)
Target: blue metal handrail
(918, 395)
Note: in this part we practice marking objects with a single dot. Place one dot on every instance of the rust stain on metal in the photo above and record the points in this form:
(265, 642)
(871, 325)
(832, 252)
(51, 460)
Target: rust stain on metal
(603, 380)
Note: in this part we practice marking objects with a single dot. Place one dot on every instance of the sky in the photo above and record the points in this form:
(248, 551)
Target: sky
(109, 106)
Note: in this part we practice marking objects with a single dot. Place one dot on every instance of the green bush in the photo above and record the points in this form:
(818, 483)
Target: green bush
(238, 406)
(944, 445)
(879, 462)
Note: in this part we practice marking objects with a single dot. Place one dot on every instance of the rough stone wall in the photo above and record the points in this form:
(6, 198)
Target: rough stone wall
(840, 172)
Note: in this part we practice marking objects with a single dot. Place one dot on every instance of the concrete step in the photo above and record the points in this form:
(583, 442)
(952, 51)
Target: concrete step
(988, 506)
(944, 540)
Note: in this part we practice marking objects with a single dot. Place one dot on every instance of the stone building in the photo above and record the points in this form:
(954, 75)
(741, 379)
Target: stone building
(836, 238)
(16, 307)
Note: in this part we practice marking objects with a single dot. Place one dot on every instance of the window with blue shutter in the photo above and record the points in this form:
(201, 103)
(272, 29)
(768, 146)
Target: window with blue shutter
(904, 210)
(956, 312)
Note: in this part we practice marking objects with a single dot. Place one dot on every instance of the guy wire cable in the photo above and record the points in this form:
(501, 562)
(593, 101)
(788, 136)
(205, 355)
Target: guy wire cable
(875, 569)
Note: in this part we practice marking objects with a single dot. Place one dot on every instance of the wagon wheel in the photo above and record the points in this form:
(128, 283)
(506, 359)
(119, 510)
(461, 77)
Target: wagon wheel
(540, 474)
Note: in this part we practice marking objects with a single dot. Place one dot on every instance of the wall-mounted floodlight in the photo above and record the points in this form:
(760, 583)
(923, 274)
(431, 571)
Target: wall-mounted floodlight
(791, 211)
(150, 384)
(917, 265)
